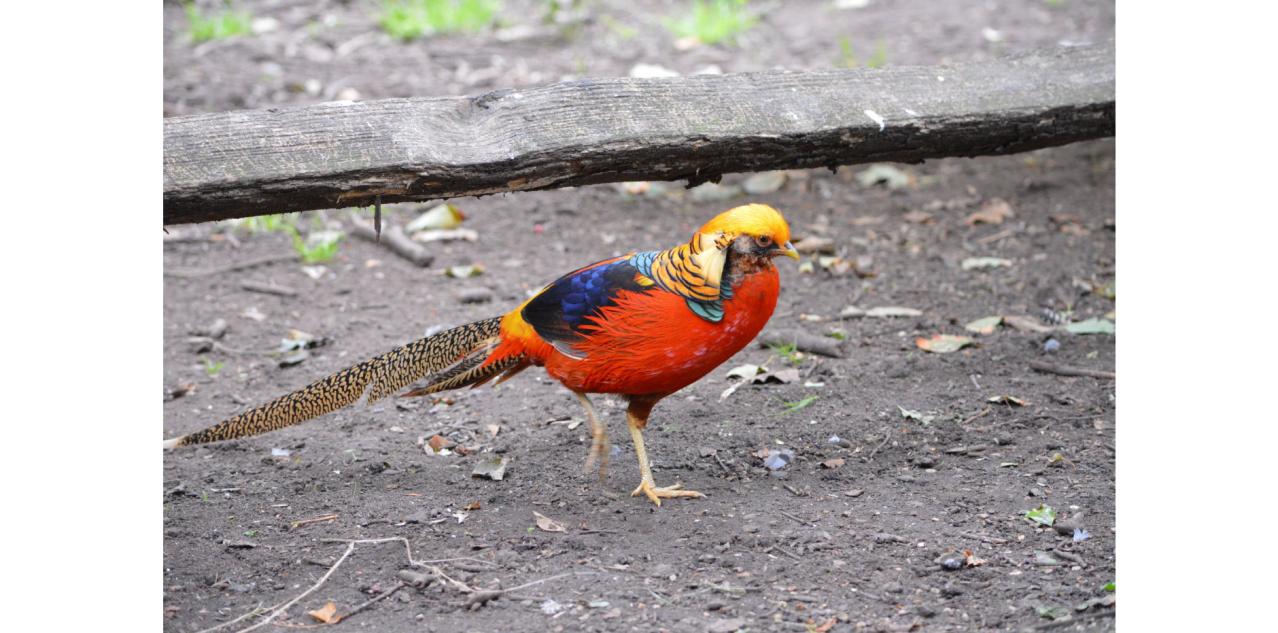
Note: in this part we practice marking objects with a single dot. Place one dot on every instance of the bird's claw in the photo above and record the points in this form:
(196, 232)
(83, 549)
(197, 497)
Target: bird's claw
(668, 492)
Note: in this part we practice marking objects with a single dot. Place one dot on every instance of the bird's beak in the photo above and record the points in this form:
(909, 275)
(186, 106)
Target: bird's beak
(790, 252)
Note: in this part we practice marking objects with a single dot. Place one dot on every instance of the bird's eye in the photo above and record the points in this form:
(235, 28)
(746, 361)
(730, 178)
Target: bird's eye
(763, 240)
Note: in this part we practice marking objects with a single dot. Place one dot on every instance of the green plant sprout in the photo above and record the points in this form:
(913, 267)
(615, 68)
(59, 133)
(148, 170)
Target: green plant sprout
(411, 19)
(219, 25)
(210, 367)
(318, 253)
(795, 406)
(789, 352)
(713, 21)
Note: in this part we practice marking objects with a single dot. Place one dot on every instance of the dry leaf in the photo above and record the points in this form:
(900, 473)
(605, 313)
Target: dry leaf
(327, 614)
(984, 326)
(973, 263)
(827, 626)
(493, 429)
(919, 217)
(868, 219)
(437, 442)
(1007, 399)
(992, 212)
(547, 524)
(814, 244)
(444, 216)
(943, 343)
(1027, 324)
(494, 469)
(972, 560)
(833, 463)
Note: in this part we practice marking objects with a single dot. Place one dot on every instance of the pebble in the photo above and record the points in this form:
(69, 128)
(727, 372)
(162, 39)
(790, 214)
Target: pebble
(1052, 345)
(950, 589)
(906, 478)
(416, 517)
(952, 561)
(888, 538)
(893, 587)
(925, 462)
(505, 557)
(475, 295)
(661, 571)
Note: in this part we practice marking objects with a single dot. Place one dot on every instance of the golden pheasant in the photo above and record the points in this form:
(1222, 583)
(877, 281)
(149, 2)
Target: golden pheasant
(642, 326)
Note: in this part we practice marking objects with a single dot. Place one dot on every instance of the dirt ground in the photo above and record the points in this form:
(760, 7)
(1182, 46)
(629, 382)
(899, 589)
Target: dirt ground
(860, 545)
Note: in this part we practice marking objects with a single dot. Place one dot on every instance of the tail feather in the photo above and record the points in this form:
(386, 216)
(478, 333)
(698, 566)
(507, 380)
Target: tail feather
(471, 376)
(453, 355)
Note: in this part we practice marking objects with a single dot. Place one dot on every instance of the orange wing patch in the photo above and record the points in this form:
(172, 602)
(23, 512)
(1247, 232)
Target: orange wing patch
(693, 270)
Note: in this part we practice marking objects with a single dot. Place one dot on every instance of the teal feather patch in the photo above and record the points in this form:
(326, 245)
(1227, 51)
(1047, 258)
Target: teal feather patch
(711, 311)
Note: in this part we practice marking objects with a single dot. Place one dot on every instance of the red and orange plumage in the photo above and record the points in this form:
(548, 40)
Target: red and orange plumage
(642, 326)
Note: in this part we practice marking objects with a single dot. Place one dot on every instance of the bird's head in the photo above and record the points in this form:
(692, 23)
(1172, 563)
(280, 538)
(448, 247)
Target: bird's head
(753, 230)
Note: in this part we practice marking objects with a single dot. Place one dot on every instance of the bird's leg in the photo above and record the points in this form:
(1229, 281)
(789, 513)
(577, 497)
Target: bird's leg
(636, 419)
(598, 441)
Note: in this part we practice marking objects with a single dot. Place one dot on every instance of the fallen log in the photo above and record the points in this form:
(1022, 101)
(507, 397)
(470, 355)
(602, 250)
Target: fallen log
(345, 154)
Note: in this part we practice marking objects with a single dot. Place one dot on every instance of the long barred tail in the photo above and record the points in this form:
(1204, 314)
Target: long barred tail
(454, 357)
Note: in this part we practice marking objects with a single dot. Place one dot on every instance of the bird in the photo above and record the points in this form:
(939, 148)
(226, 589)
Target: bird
(640, 327)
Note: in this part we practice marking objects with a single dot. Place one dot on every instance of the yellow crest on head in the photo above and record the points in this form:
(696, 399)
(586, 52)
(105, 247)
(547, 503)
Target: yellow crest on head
(755, 220)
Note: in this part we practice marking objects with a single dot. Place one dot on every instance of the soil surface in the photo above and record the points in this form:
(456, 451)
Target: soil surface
(861, 544)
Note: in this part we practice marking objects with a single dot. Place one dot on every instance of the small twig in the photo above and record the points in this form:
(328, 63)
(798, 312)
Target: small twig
(983, 538)
(598, 532)
(983, 412)
(538, 582)
(1078, 619)
(1062, 370)
(349, 548)
(660, 597)
(723, 465)
(439, 573)
(791, 516)
(796, 491)
(298, 523)
(886, 437)
(377, 218)
(995, 237)
(973, 377)
(1071, 557)
(205, 272)
(451, 560)
(399, 585)
(783, 551)
(250, 614)
(270, 289)
(396, 241)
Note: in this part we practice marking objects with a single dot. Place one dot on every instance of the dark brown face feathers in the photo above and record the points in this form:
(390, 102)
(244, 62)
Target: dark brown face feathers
(454, 356)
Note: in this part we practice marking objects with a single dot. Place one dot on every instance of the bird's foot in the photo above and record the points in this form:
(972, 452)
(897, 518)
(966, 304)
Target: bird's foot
(657, 494)
(598, 450)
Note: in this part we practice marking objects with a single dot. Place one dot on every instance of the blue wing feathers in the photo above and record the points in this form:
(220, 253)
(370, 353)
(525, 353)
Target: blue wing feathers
(558, 312)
